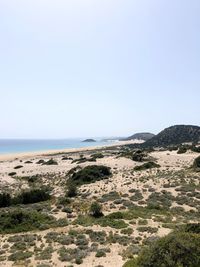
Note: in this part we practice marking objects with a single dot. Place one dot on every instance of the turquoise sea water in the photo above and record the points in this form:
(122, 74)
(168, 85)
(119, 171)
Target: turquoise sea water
(8, 146)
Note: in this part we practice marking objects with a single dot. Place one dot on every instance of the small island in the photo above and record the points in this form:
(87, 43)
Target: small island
(89, 140)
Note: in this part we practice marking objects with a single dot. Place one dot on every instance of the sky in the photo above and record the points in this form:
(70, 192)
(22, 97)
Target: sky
(87, 68)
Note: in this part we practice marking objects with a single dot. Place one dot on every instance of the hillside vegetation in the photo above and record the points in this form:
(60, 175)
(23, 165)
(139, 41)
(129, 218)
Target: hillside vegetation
(139, 136)
(175, 135)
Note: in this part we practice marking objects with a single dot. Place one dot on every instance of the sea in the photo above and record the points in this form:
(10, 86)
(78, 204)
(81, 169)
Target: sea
(9, 146)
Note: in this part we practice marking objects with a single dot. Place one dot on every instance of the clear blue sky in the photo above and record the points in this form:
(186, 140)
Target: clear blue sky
(81, 68)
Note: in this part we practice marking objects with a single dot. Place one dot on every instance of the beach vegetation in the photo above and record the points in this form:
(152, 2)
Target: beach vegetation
(19, 220)
(97, 156)
(146, 166)
(96, 210)
(71, 190)
(25, 197)
(90, 174)
(12, 173)
(18, 167)
(177, 249)
(32, 196)
(195, 149)
(41, 161)
(50, 162)
(138, 156)
(5, 200)
(182, 150)
(196, 164)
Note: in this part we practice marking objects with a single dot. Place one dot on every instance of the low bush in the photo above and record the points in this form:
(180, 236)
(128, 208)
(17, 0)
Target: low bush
(174, 250)
(28, 162)
(100, 253)
(96, 210)
(130, 263)
(90, 174)
(41, 161)
(26, 197)
(192, 228)
(146, 166)
(12, 173)
(18, 167)
(138, 156)
(19, 256)
(147, 229)
(67, 158)
(16, 221)
(178, 249)
(83, 160)
(5, 200)
(50, 162)
(182, 150)
(97, 236)
(97, 156)
(195, 149)
(103, 222)
(196, 164)
(71, 190)
(32, 196)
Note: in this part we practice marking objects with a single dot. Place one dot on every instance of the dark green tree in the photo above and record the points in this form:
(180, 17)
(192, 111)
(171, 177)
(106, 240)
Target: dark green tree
(71, 190)
(96, 210)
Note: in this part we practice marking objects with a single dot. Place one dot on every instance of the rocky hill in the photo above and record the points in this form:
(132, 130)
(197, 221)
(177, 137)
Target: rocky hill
(89, 141)
(139, 136)
(175, 135)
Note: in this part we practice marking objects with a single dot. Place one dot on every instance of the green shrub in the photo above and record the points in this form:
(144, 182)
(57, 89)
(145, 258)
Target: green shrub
(138, 156)
(78, 260)
(182, 150)
(130, 263)
(83, 160)
(71, 190)
(147, 229)
(146, 166)
(96, 210)
(192, 228)
(69, 254)
(175, 250)
(18, 167)
(12, 173)
(31, 179)
(97, 156)
(32, 196)
(5, 200)
(116, 215)
(196, 164)
(19, 255)
(102, 221)
(41, 161)
(97, 236)
(127, 231)
(26, 197)
(50, 162)
(117, 224)
(22, 221)
(111, 196)
(90, 174)
(67, 158)
(100, 253)
(196, 149)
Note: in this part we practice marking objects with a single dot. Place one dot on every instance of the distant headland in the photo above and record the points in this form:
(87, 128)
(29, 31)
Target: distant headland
(89, 141)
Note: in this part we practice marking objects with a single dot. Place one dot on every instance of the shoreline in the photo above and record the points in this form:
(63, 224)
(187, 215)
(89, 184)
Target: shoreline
(24, 155)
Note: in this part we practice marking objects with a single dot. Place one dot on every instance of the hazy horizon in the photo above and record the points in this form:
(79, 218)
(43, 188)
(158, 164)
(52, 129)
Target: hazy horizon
(78, 69)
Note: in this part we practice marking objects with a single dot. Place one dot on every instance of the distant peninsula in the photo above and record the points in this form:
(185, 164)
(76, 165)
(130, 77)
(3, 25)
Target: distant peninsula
(89, 140)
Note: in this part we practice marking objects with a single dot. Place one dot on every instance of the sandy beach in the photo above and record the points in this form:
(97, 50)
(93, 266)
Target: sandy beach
(124, 189)
(24, 155)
